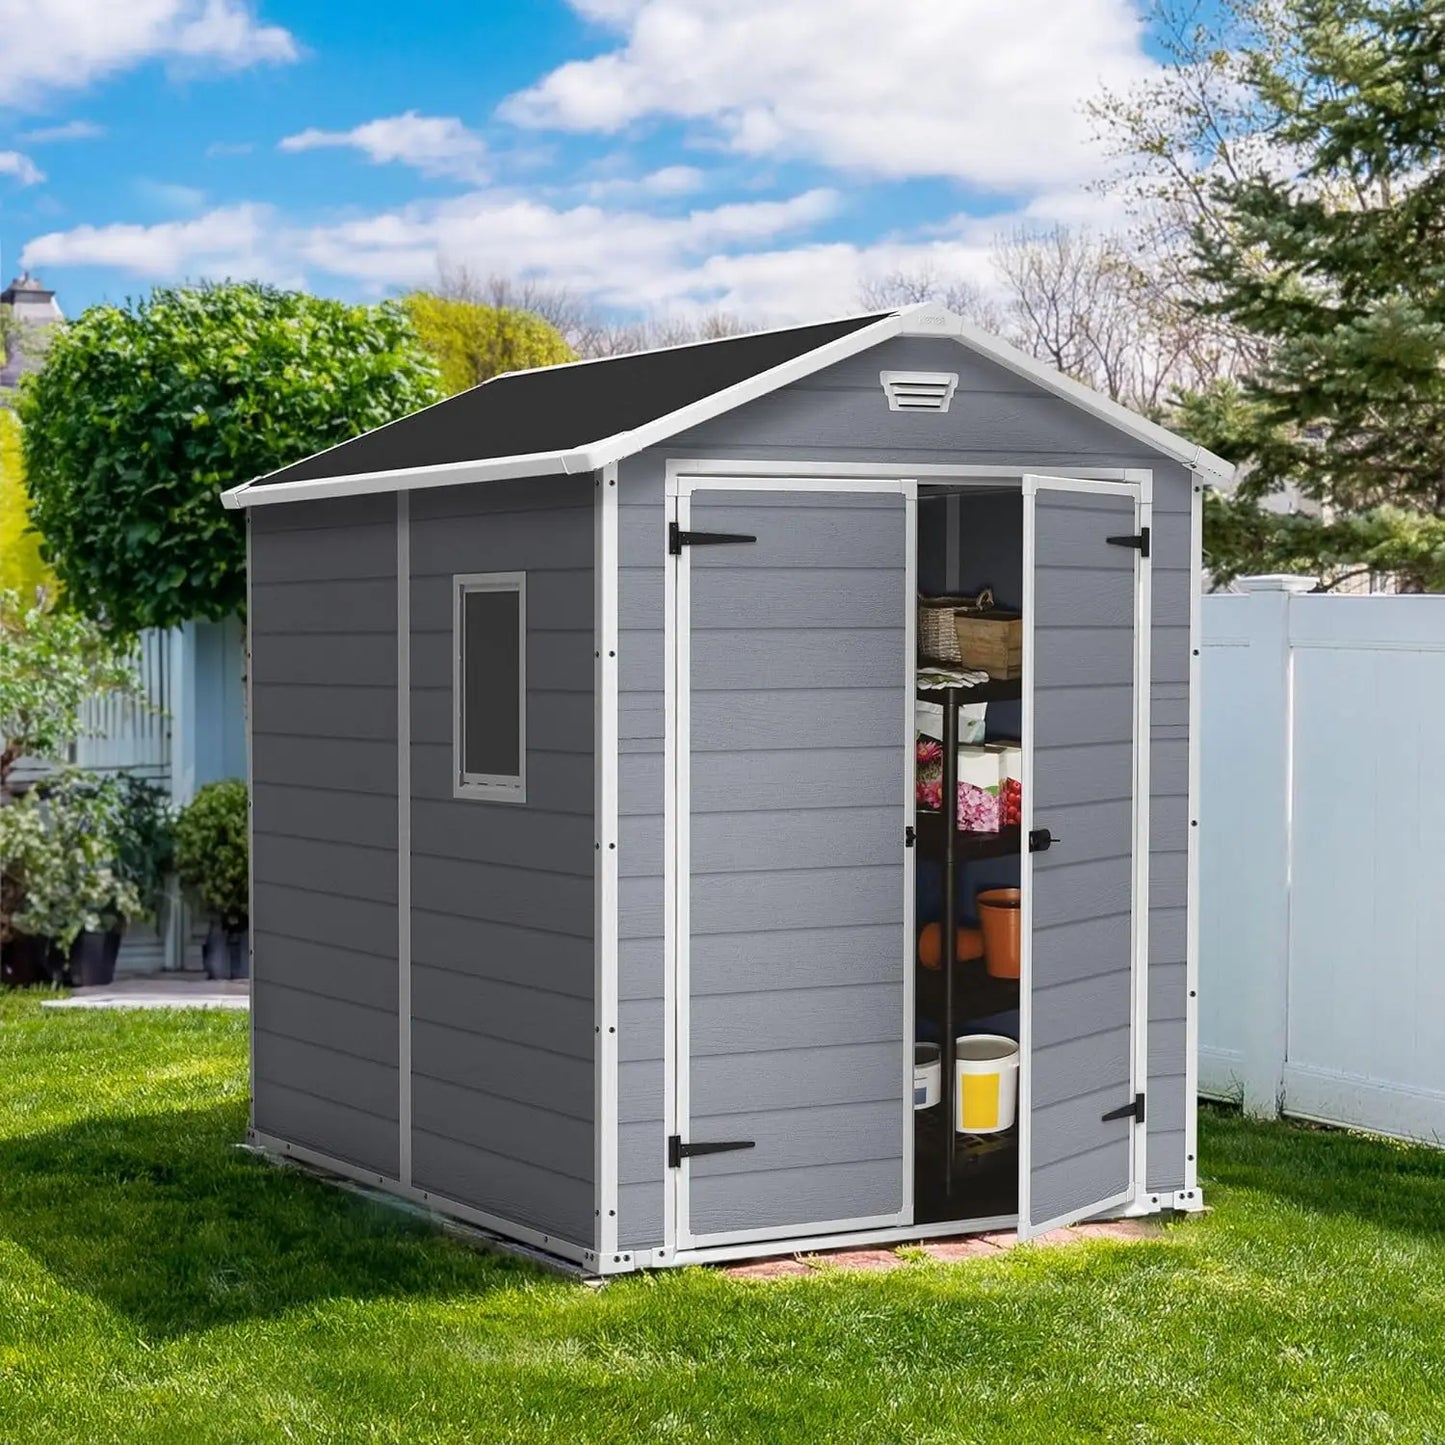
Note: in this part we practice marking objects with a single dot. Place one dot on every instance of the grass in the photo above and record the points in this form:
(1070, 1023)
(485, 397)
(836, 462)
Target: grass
(158, 1285)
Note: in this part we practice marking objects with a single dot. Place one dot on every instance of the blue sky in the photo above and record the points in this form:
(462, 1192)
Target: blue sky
(659, 156)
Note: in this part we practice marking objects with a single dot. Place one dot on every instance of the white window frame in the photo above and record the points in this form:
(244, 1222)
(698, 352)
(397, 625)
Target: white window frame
(488, 787)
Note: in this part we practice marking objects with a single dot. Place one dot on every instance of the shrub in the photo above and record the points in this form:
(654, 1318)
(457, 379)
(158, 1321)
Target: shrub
(212, 853)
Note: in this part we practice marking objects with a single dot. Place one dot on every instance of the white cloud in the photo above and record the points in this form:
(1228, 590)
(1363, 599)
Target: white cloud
(57, 45)
(234, 241)
(13, 163)
(434, 145)
(668, 181)
(70, 130)
(970, 89)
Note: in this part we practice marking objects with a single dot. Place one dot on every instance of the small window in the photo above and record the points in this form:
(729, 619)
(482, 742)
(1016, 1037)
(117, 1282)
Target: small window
(490, 687)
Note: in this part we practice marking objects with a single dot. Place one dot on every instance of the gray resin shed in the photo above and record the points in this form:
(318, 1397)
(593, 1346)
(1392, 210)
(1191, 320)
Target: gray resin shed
(587, 871)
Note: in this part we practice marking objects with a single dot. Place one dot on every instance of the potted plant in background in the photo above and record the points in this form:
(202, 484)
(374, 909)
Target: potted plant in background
(60, 841)
(213, 862)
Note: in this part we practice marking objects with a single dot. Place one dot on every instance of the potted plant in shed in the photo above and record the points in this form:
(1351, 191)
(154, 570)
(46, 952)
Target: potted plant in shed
(213, 862)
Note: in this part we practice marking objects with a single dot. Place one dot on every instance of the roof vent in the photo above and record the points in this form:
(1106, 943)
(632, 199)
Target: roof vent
(918, 390)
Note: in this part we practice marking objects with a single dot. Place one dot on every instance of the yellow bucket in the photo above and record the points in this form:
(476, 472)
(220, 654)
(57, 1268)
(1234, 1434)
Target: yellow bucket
(986, 1083)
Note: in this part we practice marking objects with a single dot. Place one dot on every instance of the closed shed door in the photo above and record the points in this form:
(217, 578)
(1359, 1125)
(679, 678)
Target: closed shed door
(1083, 676)
(792, 674)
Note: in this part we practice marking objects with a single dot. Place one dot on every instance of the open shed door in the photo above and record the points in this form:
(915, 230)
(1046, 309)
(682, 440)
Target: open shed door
(793, 621)
(1085, 814)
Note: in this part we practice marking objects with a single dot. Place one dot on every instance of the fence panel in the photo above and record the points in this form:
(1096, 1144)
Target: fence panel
(1322, 911)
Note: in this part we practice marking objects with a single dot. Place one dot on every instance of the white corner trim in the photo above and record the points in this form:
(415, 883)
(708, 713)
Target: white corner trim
(606, 1120)
(403, 833)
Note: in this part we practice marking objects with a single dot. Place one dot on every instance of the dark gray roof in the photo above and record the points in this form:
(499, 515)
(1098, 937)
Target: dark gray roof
(561, 407)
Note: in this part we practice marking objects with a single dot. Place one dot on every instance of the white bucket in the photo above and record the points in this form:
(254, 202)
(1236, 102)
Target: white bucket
(986, 1083)
(927, 1075)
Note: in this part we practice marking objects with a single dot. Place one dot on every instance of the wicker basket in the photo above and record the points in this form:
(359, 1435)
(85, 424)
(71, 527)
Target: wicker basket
(991, 641)
(937, 636)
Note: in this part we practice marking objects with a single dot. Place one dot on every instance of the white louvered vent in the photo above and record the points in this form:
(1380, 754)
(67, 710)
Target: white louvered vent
(918, 390)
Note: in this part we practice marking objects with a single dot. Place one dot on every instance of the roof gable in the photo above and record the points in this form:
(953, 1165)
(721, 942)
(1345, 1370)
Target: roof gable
(582, 416)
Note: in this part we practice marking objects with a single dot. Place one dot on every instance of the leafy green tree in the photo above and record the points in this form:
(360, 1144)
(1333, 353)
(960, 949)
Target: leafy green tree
(50, 663)
(22, 569)
(141, 415)
(473, 342)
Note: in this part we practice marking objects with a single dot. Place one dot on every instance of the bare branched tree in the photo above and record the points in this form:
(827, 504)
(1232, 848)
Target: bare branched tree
(907, 287)
(588, 329)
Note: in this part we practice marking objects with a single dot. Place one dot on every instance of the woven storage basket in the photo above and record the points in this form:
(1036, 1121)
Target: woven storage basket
(937, 636)
(991, 641)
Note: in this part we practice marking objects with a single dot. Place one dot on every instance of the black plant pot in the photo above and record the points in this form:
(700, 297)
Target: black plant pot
(238, 942)
(27, 960)
(92, 959)
(216, 951)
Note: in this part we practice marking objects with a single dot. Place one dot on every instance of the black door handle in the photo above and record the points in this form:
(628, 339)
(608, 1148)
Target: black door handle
(1041, 840)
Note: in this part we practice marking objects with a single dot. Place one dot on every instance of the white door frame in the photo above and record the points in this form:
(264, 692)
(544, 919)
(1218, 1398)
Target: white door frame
(682, 481)
(1140, 487)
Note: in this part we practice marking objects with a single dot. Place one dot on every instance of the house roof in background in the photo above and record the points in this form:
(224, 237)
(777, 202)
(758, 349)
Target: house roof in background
(581, 416)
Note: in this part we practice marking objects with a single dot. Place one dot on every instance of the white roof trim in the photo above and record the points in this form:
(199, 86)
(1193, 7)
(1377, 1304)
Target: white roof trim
(926, 319)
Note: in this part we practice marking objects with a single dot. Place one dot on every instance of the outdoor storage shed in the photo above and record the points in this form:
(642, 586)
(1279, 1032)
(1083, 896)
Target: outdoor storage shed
(593, 875)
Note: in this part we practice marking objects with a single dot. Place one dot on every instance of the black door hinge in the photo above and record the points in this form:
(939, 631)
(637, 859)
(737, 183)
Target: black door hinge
(1139, 539)
(677, 539)
(910, 836)
(1041, 840)
(1134, 1111)
(677, 1151)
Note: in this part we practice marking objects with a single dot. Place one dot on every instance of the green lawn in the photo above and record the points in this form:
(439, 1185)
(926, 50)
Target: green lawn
(157, 1284)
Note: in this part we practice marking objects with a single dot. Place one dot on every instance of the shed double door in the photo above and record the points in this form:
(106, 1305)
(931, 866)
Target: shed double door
(792, 885)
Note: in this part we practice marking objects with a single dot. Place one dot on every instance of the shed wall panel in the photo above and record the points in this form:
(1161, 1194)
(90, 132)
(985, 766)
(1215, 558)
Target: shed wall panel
(324, 815)
(502, 893)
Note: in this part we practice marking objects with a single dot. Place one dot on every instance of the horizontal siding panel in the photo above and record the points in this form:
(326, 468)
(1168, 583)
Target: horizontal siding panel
(1077, 716)
(528, 838)
(356, 553)
(1081, 1066)
(1075, 1126)
(503, 1127)
(346, 765)
(339, 659)
(1070, 656)
(517, 542)
(640, 1086)
(805, 778)
(639, 1215)
(1167, 1150)
(364, 713)
(365, 604)
(334, 973)
(1073, 892)
(734, 1024)
(509, 1189)
(753, 842)
(522, 897)
(340, 870)
(768, 599)
(332, 1129)
(527, 1016)
(745, 719)
(346, 1079)
(347, 1028)
(348, 923)
(1082, 948)
(1103, 772)
(502, 953)
(335, 514)
(1064, 1011)
(639, 1030)
(797, 1198)
(327, 815)
(1072, 1184)
(729, 660)
(754, 962)
(1102, 595)
(793, 902)
(640, 967)
(810, 538)
(1092, 830)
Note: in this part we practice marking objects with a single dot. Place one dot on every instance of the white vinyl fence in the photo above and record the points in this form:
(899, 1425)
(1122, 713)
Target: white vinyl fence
(1322, 856)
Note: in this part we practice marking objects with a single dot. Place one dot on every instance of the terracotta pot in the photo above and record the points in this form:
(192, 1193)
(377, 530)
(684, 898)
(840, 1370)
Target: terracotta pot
(969, 945)
(998, 917)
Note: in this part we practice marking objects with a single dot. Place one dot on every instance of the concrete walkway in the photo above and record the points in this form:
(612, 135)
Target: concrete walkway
(165, 990)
